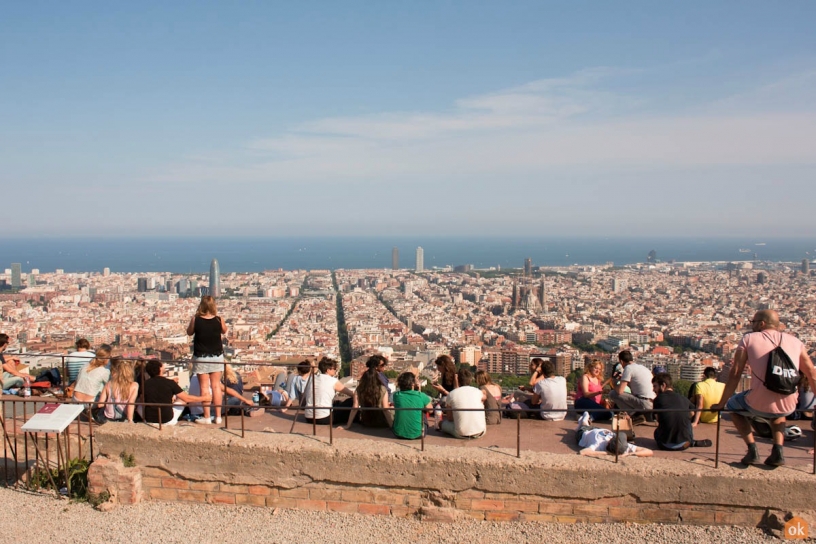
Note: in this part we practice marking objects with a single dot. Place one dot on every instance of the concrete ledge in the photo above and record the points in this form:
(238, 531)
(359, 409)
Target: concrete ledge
(269, 469)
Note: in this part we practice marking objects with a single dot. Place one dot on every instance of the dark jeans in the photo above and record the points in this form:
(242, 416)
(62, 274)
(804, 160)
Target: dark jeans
(588, 405)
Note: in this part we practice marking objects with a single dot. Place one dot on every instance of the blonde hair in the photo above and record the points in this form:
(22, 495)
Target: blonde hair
(101, 359)
(229, 374)
(121, 378)
(483, 378)
(206, 306)
(592, 364)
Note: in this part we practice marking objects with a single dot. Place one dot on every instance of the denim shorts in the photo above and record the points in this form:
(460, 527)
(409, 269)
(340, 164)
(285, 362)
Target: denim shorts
(208, 364)
(739, 405)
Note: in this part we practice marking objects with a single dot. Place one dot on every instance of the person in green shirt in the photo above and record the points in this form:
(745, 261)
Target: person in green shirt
(408, 423)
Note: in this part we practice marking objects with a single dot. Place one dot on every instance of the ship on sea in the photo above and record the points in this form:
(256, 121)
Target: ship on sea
(745, 251)
(760, 244)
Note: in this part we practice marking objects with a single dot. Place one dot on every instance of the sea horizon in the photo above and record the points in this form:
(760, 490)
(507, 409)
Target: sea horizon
(255, 254)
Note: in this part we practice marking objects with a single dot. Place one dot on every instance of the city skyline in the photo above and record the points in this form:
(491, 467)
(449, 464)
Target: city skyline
(532, 118)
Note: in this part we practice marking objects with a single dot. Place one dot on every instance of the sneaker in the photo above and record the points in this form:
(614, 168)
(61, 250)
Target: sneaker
(218, 421)
(776, 459)
(705, 443)
(584, 420)
(752, 457)
(203, 421)
(639, 420)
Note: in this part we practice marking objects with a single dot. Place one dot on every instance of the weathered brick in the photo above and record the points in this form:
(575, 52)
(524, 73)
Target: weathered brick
(521, 506)
(152, 472)
(701, 517)
(414, 501)
(151, 482)
(590, 510)
(325, 494)
(192, 496)
(613, 501)
(566, 519)
(464, 504)
(375, 509)
(296, 493)
(221, 498)
(486, 504)
(435, 514)
(340, 506)
(501, 516)
(259, 490)
(230, 488)
(357, 495)
(281, 502)
(175, 483)
(665, 515)
(475, 514)
(163, 494)
(308, 504)
(384, 497)
(739, 518)
(623, 513)
(204, 486)
(403, 511)
(555, 508)
(250, 500)
(501, 496)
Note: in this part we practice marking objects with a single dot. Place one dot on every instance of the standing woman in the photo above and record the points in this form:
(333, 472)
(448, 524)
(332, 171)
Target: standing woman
(206, 327)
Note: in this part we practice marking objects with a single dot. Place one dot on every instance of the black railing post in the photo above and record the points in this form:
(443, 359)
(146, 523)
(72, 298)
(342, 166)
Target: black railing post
(717, 442)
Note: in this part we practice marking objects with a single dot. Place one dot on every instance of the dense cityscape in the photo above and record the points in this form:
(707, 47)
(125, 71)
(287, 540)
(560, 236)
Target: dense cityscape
(681, 316)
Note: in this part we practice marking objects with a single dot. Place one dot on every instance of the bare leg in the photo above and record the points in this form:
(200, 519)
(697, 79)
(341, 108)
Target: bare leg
(204, 383)
(778, 426)
(217, 392)
(743, 426)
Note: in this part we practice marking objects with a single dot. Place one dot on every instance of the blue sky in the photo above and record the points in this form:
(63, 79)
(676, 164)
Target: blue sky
(419, 118)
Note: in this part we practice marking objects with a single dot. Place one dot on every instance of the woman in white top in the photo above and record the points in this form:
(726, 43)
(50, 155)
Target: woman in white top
(92, 378)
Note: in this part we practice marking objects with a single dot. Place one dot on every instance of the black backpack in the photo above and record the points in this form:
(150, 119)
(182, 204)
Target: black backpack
(781, 375)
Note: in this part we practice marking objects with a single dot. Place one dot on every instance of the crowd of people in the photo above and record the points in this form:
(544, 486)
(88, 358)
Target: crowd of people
(125, 390)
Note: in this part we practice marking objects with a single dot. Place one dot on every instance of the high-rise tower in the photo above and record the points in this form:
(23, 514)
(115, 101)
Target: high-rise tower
(16, 276)
(395, 258)
(215, 279)
(805, 267)
(420, 260)
(528, 267)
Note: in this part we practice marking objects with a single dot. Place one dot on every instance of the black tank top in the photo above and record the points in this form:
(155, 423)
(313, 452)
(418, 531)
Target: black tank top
(207, 339)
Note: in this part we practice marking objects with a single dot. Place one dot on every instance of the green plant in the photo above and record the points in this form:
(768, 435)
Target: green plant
(128, 460)
(96, 500)
(75, 472)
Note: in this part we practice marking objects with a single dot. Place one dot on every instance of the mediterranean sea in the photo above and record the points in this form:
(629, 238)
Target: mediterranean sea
(193, 255)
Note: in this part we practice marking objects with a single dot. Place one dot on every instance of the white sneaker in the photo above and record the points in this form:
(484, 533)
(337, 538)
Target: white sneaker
(203, 421)
(218, 421)
(584, 420)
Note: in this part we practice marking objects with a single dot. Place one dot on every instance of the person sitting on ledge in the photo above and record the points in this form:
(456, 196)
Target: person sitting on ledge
(597, 442)
(465, 424)
(326, 386)
(639, 381)
(589, 393)
(119, 394)
(550, 393)
(234, 397)
(707, 393)
(493, 401)
(408, 423)
(298, 384)
(674, 431)
(161, 390)
(371, 393)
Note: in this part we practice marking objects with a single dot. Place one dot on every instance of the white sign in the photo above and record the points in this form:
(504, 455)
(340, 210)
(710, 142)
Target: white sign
(53, 418)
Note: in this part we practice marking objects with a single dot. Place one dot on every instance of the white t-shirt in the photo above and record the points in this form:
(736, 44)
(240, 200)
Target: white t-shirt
(598, 440)
(324, 393)
(467, 423)
(553, 393)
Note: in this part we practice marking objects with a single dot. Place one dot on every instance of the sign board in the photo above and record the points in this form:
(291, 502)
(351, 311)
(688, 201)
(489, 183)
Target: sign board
(53, 418)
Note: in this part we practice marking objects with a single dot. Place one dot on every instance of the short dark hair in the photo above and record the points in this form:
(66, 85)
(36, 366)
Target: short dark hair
(83, 343)
(710, 372)
(304, 367)
(153, 368)
(326, 364)
(664, 378)
(406, 381)
(465, 377)
(547, 368)
(625, 356)
(4, 338)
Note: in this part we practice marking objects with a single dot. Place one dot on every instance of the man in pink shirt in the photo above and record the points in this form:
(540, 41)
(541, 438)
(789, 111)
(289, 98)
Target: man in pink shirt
(754, 349)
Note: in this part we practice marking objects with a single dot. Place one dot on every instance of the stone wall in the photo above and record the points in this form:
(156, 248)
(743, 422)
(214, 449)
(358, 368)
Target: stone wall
(188, 464)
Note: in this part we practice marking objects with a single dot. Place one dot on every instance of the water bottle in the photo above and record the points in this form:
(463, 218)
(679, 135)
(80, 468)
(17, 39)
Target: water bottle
(256, 398)
(438, 412)
(27, 388)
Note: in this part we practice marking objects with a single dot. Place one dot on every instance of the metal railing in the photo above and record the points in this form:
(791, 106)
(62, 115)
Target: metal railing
(85, 424)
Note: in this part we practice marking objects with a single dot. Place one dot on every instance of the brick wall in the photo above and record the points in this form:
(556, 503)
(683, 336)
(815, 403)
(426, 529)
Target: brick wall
(158, 484)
